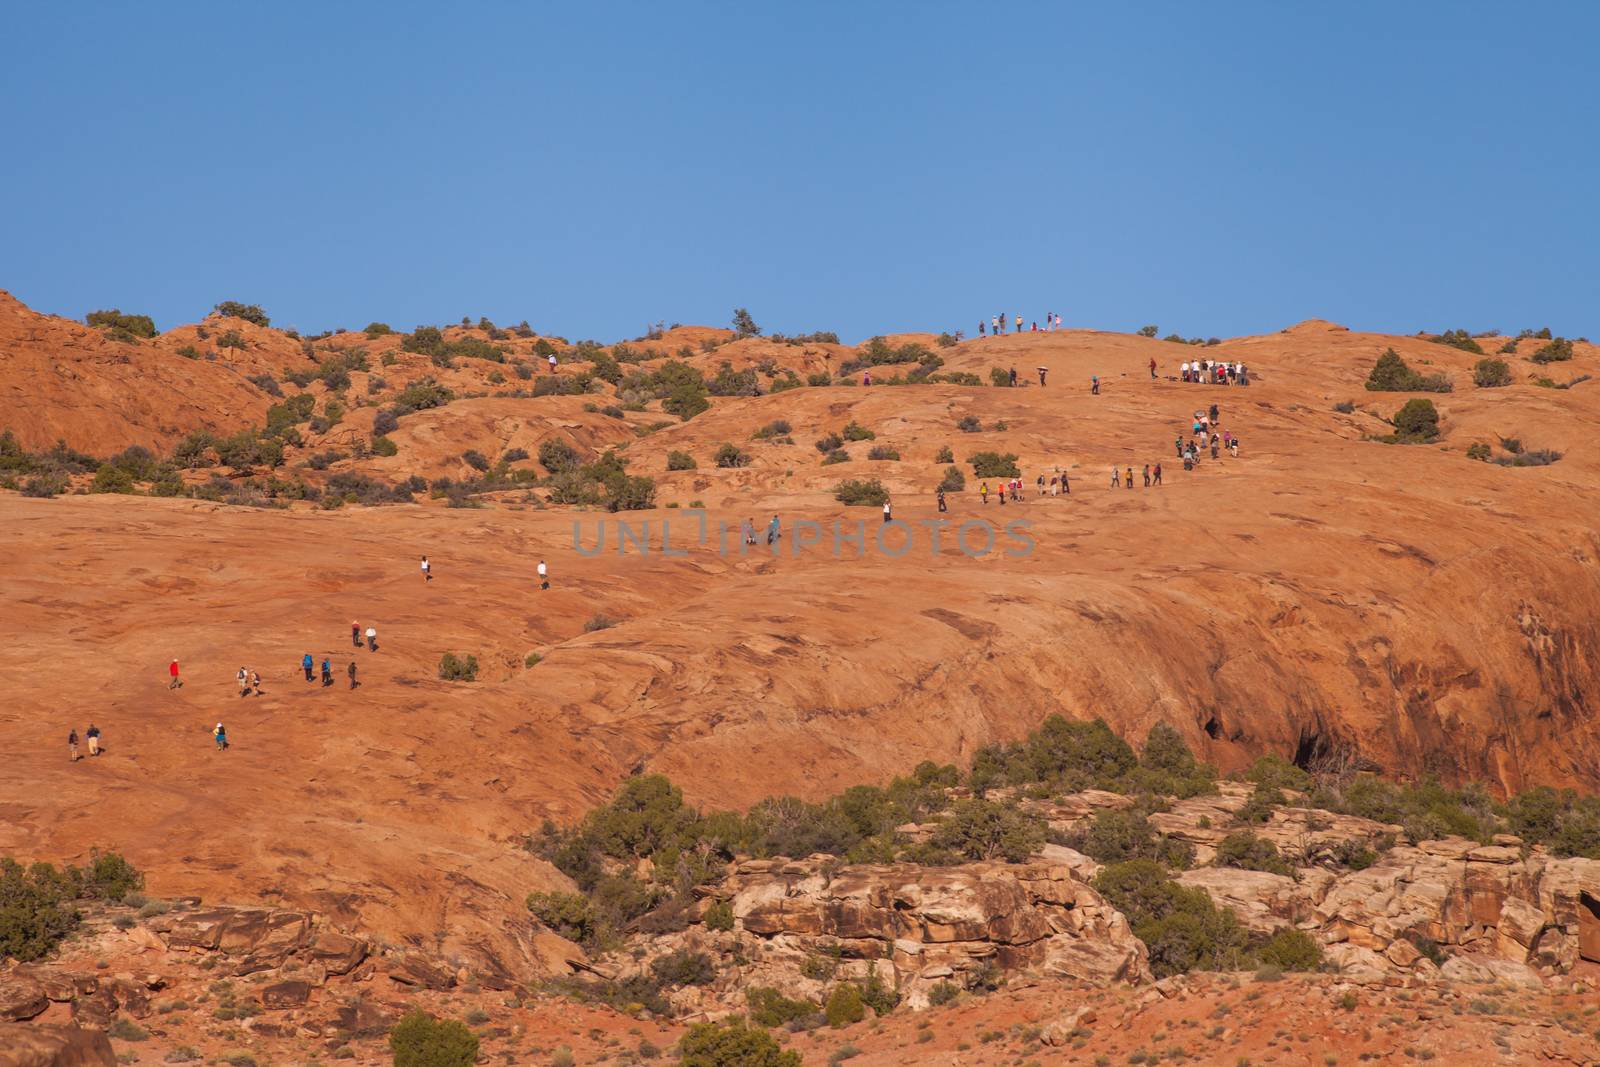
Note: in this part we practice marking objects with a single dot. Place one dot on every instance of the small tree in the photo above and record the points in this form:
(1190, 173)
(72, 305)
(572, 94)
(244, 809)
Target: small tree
(995, 465)
(855, 493)
(420, 1040)
(452, 669)
(845, 1005)
(744, 325)
(1491, 373)
(1149, 331)
(247, 312)
(953, 481)
(122, 326)
(732, 1044)
(729, 455)
(1418, 420)
(680, 461)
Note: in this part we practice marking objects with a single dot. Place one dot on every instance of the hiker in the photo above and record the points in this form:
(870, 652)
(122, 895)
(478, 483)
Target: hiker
(1183, 370)
(372, 639)
(355, 634)
(981, 327)
(1233, 449)
(1156, 475)
(305, 665)
(1042, 372)
(1147, 475)
(866, 379)
(1041, 485)
(886, 512)
(995, 327)
(255, 682)
(1116, 478)
(1152, 369)
(940, 495)
(1214, 420)
(544, 575)
(983, 491)
(173, 671)
(1065, 488)
(351, 671)
(427, 570)
(1128, 481)
(1035, 326)
(92, 735)
(1013, 377)
(749, 531)
(327, 671)
(72, 745)
(774, 531)
(1055, 486)
(221, 736)
(1019, 323)
(244, 682)
(1094, 384)
(552, 363)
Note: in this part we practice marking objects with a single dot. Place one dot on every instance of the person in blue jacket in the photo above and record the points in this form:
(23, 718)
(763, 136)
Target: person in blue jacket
(327, 671)
(305, 663)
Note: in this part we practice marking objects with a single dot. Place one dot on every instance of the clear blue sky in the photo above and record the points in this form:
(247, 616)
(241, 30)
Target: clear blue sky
(860, 167)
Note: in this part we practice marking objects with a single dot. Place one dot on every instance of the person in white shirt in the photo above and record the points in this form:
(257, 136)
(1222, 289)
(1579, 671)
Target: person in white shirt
(552, 363)
(544, 576)
(427, 571)
(885, 511)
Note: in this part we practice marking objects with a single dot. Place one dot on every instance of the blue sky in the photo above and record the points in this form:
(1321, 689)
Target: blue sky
(1216, 169)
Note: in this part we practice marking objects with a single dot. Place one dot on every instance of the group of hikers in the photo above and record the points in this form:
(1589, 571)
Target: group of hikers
(1203, 436)
(91, 735)
(1211, 372)
(997, 325)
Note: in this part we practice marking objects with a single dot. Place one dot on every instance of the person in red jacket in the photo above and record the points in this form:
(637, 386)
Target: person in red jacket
(173, 671)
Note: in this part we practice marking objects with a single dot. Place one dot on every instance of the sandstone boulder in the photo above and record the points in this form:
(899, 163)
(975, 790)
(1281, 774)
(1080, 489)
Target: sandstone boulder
(22, 997)
(54, 1046)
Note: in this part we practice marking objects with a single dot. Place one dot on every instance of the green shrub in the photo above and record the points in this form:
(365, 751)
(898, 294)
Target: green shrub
(122, 326)
(1392, 374)
(230, 339)
(1539, 457)
(719, 916)
(982, 830)
(819, 378)
(829, 443)
(1458, 339)
(943, 993)
(883, 452)
(247, 312)
(775, 428)
(1291, 950)
(1243, 849)
(680, 461)
(953, 481)
(1559, 350)
(729, 455)
(969, 424)
(944, 455)
(684, 967)
(999, 377)
(384, 446)
(1117, 835)
(768, 1007)
(569, 915)
(1275, 772)
(845, 1005)
(1417, 421)
(420, 1040)
(853, 431)
(732, 1044)
(841, 456)
(1181, 926)
(34, 913)
(1491, 373)
(995, 465)
(452, 669)
(858, 493)
(598, 621)
(557, 457)
(376, 330)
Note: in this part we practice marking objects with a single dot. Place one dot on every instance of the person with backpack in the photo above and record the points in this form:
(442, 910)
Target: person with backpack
(1147, 475)
(983, 492)
(1116, 478)
(72, 746)
(372, 639)
(355, 634)
(306, 664)
(220, 735)
(940, 494)
(1094, 384)
(327, 671)
(981, 327)
(92, 735)
(552, 363)
(1155, 477)
(351, 671)
(1013, 377)
(1128, 480)
(1152, 368)
(172, 670)
(774, 531)
(255, 682)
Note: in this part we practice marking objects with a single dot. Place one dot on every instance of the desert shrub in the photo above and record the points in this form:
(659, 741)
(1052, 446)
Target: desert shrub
(861, 493)
(1458, 339)
(454, 669)
(856, 432)
(1416, 421)
(943, 993)
(557, 456)
(425, 340)
(744, 325)
(944, 455)
(969, 424)
(818, 378)
(1559, 350)
(839, 456)
(1243, 849)
(1345, 407)
(419, 396)
(376, 330)
(475, 459)
(420, 1040)
(732, 1044)
(569, 915)
(120, 326)
(1067, 756)
(247, 312)
(34, 912)
(729, 382)
(829, 443)
(845, 1005)
(44, 485)
(999, 377)
(188, 352)
(1538, 457)
(111, 479)
(680, 461)
(953, 481)
(598, 621)
(230, 339)
(1491, 373)
(719, 916)
(684, 967)
(1393, 375)
(729, 455)
(248, 449)
(982, 830)
(1289, 949)
(994, 465)
(1115, 836)
(1168, 768)
(947, 340)
(1181, 926)
(769, 1007)
(882, 452)
(775, 428)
